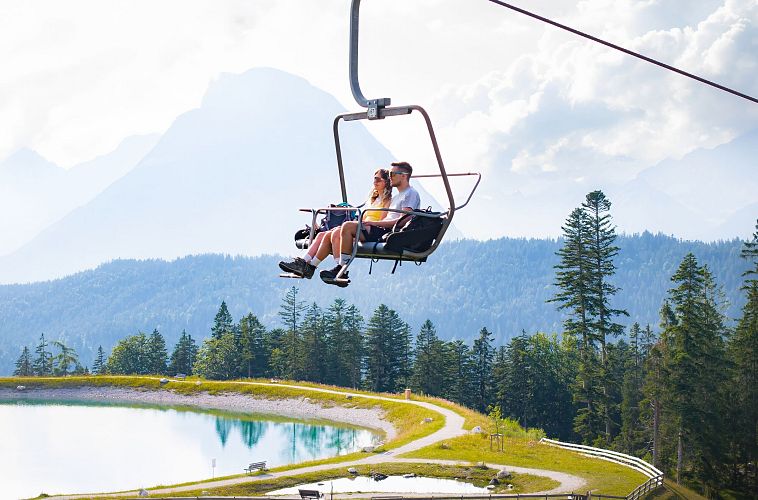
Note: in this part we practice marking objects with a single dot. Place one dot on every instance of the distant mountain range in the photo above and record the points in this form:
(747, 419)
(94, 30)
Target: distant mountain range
(466, 285)
(229, 177)
(35, 193)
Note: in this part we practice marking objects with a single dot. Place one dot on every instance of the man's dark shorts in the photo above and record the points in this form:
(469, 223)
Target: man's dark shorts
(374, 233)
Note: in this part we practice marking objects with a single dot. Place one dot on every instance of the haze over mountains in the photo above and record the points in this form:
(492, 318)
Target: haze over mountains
(35, 193)
(229, 176)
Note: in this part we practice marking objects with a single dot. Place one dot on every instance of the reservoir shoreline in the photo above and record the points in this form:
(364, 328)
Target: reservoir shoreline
(297, 408)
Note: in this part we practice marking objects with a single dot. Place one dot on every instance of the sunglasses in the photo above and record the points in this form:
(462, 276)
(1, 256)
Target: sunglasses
(377, 179)
(398, 173)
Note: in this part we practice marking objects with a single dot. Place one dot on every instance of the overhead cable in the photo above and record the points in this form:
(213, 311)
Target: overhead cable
(626, 51)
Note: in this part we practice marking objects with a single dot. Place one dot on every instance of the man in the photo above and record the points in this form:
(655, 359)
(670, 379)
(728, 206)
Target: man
(406, 199)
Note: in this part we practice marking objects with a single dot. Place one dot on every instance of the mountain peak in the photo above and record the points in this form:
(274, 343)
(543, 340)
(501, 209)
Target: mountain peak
(28, 163)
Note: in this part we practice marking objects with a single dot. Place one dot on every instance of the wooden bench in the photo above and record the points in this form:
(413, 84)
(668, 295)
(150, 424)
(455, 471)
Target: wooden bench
(255, 466)
(310, 494)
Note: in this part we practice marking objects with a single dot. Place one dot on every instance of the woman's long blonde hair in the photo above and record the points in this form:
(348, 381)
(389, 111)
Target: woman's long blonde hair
(386, 194)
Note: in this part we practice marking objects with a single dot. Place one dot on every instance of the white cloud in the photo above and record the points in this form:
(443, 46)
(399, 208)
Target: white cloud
(531, 106)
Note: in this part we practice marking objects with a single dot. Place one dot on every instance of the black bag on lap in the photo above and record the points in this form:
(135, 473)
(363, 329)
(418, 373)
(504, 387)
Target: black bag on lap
(414, 232)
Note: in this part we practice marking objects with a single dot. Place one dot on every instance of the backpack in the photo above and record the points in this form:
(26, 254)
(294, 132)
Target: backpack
(330, 221)
(336, 218)
(414, 232)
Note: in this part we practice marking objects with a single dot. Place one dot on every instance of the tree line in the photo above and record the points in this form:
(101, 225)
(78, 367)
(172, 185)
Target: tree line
(683, 394)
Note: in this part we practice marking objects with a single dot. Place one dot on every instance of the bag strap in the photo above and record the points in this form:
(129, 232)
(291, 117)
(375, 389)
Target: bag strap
(397, 226)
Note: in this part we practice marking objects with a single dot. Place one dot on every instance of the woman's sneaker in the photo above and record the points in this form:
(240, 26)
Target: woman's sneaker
(298, 267)
(328, 276)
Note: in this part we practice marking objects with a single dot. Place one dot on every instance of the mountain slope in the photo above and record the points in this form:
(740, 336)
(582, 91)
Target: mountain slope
(466, 285)
(35, 193)
(228, 177)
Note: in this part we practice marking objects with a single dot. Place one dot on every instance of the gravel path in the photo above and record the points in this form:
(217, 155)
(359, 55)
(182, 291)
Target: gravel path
(300, 408)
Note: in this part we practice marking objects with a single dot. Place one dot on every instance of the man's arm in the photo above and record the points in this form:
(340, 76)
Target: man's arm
(387, 224)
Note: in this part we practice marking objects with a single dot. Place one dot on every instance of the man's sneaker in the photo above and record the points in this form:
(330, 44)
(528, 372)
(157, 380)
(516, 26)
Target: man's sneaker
(298, 267)
(328, 276)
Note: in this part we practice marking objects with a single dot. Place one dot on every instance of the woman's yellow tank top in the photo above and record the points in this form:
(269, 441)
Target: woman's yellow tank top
(372, 215)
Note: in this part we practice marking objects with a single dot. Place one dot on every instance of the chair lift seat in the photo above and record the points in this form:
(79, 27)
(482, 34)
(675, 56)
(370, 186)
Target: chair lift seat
(373, 250)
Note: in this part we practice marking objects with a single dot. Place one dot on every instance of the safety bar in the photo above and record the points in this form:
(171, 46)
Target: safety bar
(478, 180)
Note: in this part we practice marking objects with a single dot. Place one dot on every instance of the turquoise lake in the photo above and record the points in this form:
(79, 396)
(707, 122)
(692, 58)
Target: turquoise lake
(56, 448)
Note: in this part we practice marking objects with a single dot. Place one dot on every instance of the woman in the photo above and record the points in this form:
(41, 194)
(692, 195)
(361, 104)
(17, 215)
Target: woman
(379, 197)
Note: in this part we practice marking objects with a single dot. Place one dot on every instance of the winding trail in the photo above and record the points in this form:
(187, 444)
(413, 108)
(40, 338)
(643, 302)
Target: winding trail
(453, 428)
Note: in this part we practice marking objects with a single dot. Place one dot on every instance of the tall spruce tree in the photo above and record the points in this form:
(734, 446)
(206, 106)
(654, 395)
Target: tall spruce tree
(24, 365)
(428, 369)
(385, 330)
(223, 322)
(344, 344)
(602, 250)
(743, 351)
(458, 386)
(693, 371)
(183, 356)
(252, 350)
(43, 362)
(156, 359)
(314, 343)
(291, 347)
(633, 437)
(482, 355)
(575, 282)
(98, 366)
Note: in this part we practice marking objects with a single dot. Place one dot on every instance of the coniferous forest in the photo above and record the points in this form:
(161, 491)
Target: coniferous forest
(681, 392)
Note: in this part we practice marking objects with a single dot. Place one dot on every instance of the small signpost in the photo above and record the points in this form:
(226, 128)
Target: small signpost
(497, 440)
(213, 468)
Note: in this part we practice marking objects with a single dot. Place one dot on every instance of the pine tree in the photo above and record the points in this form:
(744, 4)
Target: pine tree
(405, 356)
(223, 322)
(344, 344)
(575, 282)
(24, 365)
(428, 369)
(43, 363)
(632, 438)
(291, 345)
(458, 386)
(602, 250)
(156, 358)
(482, 354)
(252, 349)
(65, 359)
(183, 356)
(353, 348)
(693, 370)
(313, 366)
(98, 366)
(743, 351)
(385, 329)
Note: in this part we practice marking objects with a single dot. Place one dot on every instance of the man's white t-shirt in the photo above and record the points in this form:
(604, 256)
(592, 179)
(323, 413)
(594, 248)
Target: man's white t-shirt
(404, 199)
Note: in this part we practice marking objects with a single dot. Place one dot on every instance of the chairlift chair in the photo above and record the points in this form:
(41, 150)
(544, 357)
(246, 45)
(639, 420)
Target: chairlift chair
(379, 109)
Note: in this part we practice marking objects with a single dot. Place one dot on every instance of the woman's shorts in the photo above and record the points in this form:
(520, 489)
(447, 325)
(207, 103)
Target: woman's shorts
(374, 233)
